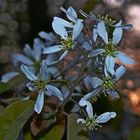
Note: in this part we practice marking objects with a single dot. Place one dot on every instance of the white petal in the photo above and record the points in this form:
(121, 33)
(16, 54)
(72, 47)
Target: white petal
(113, 94)
(37, 49)
(105, 117)
(59, 25)
(39, 102)
(28, 73)
(8, 76)
(91, 94)
(28, 50)
(54, 91)
(47, 36)
(125, 59)
(63, 55)
(44, 71)
(62, 22)
(109, 64)
(117, 35)
(52, 49)
(102, 31)
(120, 72)
(95, 52)
(80, 120)
(119, 23)
(95, 82)
(88, 105)
(95, 33)
(77, 29)
(21, 58)
(71, 14)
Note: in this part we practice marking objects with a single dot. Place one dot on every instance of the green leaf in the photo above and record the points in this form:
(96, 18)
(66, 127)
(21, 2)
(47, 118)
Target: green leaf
(75, 131)
(28, 135)
(13, 118)
(4, 87)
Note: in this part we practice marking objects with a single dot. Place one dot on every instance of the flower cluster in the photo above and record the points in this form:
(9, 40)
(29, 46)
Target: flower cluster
(72, 61)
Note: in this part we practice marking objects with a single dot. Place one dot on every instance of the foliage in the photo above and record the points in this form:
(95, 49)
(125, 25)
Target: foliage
(66, 72)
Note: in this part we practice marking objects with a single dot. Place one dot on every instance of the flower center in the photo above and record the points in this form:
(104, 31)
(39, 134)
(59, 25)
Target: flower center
(91, 124)
(67, 43)
(108, 83)
(39, 84)
(110, 50)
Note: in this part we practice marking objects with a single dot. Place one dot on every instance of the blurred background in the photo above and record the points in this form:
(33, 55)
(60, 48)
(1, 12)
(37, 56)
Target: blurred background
(20, 22)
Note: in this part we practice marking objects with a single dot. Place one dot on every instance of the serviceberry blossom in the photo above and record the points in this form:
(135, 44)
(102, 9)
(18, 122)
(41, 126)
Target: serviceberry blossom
(106, 84)
(110, 50)
(32, 56)
(92, 121)
(40, 84)
(68, 31)
(92, 68)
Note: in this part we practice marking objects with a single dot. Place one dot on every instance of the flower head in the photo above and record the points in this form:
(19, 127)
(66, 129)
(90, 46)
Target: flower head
(40, 84)
(68, 31)
(92, 121)
(110, 51)
(106, 84)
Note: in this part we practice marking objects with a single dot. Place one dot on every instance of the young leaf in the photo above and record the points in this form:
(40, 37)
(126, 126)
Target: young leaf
(75, 131)
(4, 87)
(13, 118)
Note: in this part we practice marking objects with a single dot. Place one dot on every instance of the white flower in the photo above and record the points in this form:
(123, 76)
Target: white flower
(68, 31)
(92, 122)
(39, 83)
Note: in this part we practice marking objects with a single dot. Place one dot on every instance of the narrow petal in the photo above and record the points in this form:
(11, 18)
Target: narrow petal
(71, 14)
(95, 52)
(77, 29)
(21, 58)
(95, 82)
(28, 50)
(59, 25)
(120, 72)
(62, 22)
(52, 49)
(118, 24)
(95, 33)
(125, 26)
(37, 49)
(91, 94)
(88, 105)
(109, 64)
(55, 91)
(47, 36)
(105, 72)
(80, 120)
(113, 94)
(44, 73)
(63, 55)
(125, 59)
(105, 117)
(102, 31)
(8, 76)
(117, 35)
(28, 73)
(39, 102)
(86, 45)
